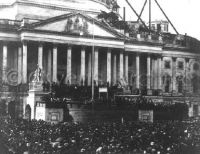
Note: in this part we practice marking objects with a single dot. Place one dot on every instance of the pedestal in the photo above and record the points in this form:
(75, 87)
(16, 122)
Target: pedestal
(33, 98)
(149, 92)
(37, 109)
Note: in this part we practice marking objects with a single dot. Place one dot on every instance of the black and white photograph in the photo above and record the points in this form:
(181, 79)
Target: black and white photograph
(99, 77)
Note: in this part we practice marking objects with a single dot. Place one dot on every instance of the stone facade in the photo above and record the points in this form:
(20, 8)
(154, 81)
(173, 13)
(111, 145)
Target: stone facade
(61, 40)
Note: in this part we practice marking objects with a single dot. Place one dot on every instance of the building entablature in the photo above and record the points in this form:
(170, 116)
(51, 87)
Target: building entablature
(81, 29)
(38, 36)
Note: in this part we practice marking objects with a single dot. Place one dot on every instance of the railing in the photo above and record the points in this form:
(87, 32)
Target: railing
(169, 39)
(10, 22)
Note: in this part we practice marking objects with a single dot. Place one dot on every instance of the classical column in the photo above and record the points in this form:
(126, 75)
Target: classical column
(89, 68)
(114, 69)
(137, 71)
(55, 63)
(121, 66)
(155, 76)
(173, 74)
(159, 73)
(19, 65)
(49, 65)
(96, 65)
(82, 79)
(187, 87)
(5, 61)
(109, 67)
(68, 78)
(148, 72)
(24, 63)
(40, 55)
(126, 68)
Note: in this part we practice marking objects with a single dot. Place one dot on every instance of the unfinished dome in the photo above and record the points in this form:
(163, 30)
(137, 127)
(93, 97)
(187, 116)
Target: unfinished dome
(43, 9)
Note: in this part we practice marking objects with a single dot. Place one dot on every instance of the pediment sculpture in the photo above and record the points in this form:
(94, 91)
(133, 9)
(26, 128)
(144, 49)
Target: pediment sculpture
(77, 25)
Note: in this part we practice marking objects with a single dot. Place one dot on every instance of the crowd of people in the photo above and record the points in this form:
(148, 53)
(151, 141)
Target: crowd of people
(39, 137)
(77, 92)
(170, 110)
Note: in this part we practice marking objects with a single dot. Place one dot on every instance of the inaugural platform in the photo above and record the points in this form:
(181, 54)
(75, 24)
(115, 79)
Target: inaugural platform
(85, 45)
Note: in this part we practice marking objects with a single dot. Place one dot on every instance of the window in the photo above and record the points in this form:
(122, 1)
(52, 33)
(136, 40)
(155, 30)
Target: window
(179, 80)
(153, 27)
(166, 28)
(195, 84)
(167, 65)
(180, 65)
(166, 82)
(196, 67)
(158, 27)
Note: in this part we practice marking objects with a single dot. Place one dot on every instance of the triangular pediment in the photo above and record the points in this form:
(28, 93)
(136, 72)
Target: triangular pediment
(78, 24)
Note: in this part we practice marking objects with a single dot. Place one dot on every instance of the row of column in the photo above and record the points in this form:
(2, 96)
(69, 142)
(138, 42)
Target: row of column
(22, 64)
(154, 72)
(123, 65)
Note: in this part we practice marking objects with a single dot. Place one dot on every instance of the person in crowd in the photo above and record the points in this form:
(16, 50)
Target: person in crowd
(35, 137)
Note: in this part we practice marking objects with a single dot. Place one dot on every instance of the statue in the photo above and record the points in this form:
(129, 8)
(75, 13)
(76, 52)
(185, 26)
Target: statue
(37, 74)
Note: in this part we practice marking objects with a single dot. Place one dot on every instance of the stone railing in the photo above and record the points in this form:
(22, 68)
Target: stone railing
(171, 40)
(10, 22)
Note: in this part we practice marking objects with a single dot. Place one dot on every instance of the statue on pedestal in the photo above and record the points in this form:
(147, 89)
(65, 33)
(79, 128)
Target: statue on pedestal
(37, 74)
(37, 82)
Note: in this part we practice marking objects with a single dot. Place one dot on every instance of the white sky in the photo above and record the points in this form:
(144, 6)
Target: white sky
(184, 14)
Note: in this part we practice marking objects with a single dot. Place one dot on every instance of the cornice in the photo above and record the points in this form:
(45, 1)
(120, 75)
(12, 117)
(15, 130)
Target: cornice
(49, 6)
(67, 34)
(90, 19)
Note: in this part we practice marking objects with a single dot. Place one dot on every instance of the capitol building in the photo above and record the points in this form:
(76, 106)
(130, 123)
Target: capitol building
(68, 41)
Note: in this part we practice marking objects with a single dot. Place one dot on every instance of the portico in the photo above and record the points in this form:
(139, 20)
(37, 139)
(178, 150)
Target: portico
(68, 55)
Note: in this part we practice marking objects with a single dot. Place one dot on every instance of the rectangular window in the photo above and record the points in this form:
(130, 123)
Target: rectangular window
(166, 28)
(167, 65)
(153, 27)
(180, 65)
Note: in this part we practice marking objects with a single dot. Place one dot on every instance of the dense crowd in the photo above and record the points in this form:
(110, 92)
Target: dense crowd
(78, 92)
(39, 137)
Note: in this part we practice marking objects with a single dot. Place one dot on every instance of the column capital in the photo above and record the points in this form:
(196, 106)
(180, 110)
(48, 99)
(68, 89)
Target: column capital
(55, 45)
(160, 56)
(69, 45)
(97, 48)
(24, 42)
(156, 56)
(121, 50)
(40, 43)
(109, 49)
(149, 54)
(5, 42)
(138, 54)
(83, 47)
